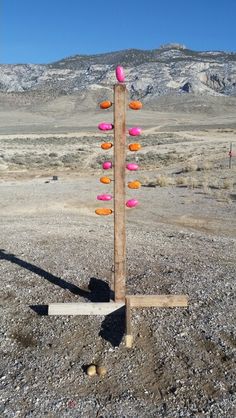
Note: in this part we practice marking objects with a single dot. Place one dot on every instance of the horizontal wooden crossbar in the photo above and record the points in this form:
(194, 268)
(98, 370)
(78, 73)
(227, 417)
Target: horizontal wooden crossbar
(158, 301)
(80, 308)
(106, 308)
(149, 301)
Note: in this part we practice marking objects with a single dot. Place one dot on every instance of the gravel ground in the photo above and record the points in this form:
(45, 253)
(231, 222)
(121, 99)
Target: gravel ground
(53, 249)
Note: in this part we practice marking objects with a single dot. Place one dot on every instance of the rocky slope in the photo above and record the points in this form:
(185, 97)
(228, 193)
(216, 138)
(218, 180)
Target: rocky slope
(150, 74)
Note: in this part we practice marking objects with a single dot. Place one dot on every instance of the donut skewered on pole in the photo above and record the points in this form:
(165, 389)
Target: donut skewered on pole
(120, 206)
(120, 94)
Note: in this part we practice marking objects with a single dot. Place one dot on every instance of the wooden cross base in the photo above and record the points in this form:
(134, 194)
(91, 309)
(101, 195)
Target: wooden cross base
(131, 301)
(122, 301)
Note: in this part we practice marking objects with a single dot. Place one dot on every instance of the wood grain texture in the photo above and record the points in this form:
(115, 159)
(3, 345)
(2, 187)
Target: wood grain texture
(96, 308)
(158, 301)
(129, 341)
(120, 93)
(128, 315)
(128, 331)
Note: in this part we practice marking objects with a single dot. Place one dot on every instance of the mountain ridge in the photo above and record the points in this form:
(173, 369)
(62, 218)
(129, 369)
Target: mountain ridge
(170, 69)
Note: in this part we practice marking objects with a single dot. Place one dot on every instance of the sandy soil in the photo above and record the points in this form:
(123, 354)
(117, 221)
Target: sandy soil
(181, 239)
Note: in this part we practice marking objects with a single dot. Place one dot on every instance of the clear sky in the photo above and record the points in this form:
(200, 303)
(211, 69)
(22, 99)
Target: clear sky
(41, 31)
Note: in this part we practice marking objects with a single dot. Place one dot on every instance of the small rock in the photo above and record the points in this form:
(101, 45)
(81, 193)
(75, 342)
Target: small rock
(91, 370)
(101, 370)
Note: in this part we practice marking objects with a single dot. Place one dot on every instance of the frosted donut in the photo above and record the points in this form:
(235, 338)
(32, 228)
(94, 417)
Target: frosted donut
(135, 131)
(132, 166)
(120, 75)
(105, 197)
(103, 126)
(132, 203)
(107, 165)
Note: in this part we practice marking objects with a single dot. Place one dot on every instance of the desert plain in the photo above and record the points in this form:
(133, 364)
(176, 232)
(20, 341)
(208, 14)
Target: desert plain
(180, 240)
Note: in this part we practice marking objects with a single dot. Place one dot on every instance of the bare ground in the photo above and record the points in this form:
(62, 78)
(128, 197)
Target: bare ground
(181, 239)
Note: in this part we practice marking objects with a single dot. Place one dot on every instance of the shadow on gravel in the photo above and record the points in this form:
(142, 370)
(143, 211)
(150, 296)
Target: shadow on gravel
(41, 310)
(44, 274)
(113, 326)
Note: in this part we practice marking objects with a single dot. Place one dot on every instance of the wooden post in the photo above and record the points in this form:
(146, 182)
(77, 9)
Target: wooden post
(230, 154)
(121, 299)
(119, 191)
(128, 330)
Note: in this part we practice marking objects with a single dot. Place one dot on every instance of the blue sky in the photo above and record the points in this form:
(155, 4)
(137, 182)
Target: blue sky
(41, 31)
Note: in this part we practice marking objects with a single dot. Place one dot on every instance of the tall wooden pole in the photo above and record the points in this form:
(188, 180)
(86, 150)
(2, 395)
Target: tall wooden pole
(120, 93)
(230, 154)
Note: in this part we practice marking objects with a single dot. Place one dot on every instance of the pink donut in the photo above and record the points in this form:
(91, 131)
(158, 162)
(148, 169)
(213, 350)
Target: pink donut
(106, 165)
(135, 131)
(132, 203)
(105, 126)
(132, 166)
(120, 75)
(104, 197)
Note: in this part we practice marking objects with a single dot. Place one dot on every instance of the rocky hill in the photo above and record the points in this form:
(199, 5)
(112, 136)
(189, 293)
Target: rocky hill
(171, 69)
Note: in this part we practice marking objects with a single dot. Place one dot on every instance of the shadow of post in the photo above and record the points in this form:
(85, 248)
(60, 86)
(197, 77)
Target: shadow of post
(113, 326)
(44, 274)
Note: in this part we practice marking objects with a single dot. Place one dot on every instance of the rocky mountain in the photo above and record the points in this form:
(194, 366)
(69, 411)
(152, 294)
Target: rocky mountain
(171, 69)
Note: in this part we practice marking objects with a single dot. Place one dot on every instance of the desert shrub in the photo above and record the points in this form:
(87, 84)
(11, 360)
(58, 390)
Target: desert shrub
(222, 196)
(205, 187)
(206, 165)
(190, 166)
(53, 155)
(192, 183)
(56, 164)
(71, 160)
(163, 181)
(228, 184)
(18, 160)
(160, 181)
(181, 181)
(144, 179)
(150, 184)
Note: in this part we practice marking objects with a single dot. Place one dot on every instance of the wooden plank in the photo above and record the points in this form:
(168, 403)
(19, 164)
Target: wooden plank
(129, 339)
(112, 284)
(158, 301)
(95, 308)
(128, 331)
(119, 191)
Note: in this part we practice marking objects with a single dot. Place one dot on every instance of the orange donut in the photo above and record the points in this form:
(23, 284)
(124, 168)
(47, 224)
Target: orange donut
(106, 145)
(134, 147)
(106, 104)
(135, 105)
(105, 180)
(103, 211)
(134, 184)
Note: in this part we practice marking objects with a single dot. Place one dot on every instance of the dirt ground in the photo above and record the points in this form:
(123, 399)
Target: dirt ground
(180, 240)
